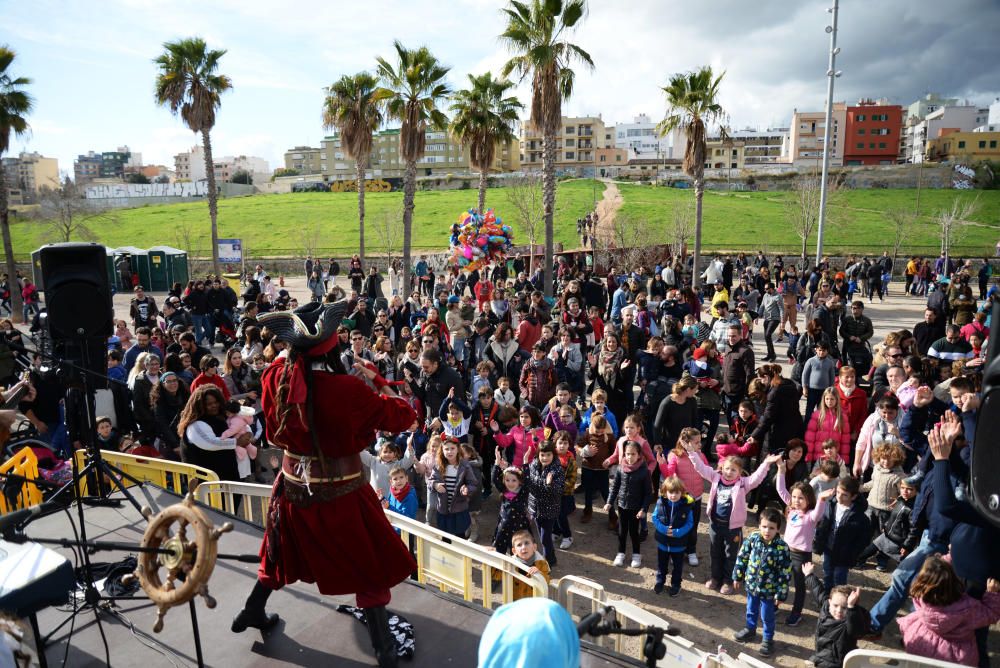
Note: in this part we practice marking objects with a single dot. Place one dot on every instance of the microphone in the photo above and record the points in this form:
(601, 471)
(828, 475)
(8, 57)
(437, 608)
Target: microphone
(586, 625)
(18, 518)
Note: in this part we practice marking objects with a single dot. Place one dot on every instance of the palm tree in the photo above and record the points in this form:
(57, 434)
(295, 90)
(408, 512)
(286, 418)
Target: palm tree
(352, 107)
(693, 101)
(412, 89)
(483, 119)
(189, 84)
(536, 35)
(15, 105)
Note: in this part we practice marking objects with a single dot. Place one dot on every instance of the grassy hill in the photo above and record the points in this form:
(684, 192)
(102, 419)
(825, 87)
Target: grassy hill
(275, 225)
(859, 223)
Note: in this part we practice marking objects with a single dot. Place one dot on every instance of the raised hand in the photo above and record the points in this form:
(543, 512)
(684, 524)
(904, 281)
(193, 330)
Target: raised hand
(827, 494)
(993, 585)
(773, 459)
(852, 598)
(494, 425)
(808, 567)
(940, 446)
(464, 490)
(951, 425)
(548, 478)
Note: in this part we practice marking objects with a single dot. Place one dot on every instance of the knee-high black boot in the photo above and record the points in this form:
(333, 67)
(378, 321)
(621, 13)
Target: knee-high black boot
(253, 614)
(377, 620)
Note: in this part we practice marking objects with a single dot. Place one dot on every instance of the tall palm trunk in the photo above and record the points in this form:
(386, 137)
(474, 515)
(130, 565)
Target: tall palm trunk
(699, 192)
(213, 201)
(482, 191)
(409, 189)
(8, 250)
(359, 166)
(549, 201)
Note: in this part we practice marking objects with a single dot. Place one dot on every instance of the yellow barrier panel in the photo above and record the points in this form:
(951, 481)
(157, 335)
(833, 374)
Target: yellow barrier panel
(174, 476)
(24, 464)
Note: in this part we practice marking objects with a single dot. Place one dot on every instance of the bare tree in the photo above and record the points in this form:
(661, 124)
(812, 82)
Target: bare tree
(681, 228)
(901, 221)
(953, 221)
(802, 209)
(311, 237)
(628, 239)
(389, 232)
(526, 196)
(67, 215)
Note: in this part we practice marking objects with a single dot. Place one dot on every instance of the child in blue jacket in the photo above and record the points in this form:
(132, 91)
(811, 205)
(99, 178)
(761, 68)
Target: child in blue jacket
(673, 519)
(402, 497)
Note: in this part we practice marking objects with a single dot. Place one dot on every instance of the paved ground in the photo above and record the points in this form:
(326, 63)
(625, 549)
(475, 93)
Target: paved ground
(705, 617)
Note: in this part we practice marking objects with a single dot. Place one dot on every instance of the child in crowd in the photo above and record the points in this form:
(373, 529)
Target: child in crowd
(674, 520)
(526, 552)
(593, 448)
(882, 490)
(476, 500)
(562, 419)
(818, 374)
(597, 323)
(632, 432)
(739, 431)
(520, 443)
(513, 514)
(842, 533)
(826, 475)
(423, 469)
(793, 343)
(831, 453)
(945, 618)
(239, 420)
(567, 460)
(896, 539)
(503, 395)
(599, 406)
(454, 420)
(455, 482)
(841, 621)
(727, 510)
(764, 562)
(829, 422)
(631, 494)
(402, 497)
(107, 437)
(482, 378)
(678, 463)
(545, 479)
(802, 514)
(388, 457)
(484, 412)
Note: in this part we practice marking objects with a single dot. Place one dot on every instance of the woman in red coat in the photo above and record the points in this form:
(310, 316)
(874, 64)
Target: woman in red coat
(325, 523)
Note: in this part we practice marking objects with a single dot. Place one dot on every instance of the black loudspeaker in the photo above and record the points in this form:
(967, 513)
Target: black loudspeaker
(985, 481)
(78, 303)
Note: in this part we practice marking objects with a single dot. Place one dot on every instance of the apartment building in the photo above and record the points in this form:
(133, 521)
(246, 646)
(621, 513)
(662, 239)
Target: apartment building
(305, 159)
(576, 145)
(916, 132)
(805, 136)
(27, 174)
(872, 134)
(642, 140)
(728, 153)
(966, 148)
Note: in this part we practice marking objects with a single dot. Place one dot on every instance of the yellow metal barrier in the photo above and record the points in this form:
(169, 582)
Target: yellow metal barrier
(443, 560)
(24, 464)
(174, 476)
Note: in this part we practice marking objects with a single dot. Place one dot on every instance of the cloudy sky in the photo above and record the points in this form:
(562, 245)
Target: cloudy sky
(92, 70)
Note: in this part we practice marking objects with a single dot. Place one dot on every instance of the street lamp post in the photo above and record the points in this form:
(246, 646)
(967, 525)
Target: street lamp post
(831, 74)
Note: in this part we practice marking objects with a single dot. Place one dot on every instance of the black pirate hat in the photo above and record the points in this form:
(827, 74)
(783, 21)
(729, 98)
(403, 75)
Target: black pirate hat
(310, 329)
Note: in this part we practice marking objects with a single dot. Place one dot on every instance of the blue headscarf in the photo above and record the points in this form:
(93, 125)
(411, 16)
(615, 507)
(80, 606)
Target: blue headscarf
(530, 633)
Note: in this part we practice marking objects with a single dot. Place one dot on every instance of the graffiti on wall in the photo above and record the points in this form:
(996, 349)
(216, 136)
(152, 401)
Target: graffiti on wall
(371, 186)
(122, 190)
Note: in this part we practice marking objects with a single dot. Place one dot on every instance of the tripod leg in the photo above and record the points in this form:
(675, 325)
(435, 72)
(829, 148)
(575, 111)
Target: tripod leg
(39, 642)
(197, 634)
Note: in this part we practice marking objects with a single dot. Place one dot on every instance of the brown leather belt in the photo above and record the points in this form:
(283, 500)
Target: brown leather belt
(303, 496)
(309, 470)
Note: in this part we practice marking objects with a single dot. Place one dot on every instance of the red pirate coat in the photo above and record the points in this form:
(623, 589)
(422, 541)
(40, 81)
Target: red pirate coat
(345, 545)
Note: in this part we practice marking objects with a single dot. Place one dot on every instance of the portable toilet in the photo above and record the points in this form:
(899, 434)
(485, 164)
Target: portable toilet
(175, 262)
(140, 265)
(112, 273)
(159, 276)
(36, 269)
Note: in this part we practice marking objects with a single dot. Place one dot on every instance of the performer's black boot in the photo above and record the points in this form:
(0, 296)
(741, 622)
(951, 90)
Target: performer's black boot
(253, 614)
(384, 643)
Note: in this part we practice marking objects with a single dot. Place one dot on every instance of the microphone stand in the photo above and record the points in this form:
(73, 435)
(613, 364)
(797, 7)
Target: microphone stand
(605, 623)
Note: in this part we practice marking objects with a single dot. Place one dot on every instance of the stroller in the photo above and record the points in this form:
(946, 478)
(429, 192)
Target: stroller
(225, 330)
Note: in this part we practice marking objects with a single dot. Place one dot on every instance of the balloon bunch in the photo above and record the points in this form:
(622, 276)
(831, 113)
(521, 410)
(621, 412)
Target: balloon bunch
(477, 240)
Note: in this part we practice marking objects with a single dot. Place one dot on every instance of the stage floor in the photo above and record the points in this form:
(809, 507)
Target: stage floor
(311, 632)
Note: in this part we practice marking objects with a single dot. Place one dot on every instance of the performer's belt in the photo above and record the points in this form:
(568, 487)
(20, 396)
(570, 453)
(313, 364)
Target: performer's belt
(310, 470)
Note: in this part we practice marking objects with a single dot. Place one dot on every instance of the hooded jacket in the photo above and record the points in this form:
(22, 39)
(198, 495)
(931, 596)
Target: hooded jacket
(844, 541)
(677, 518)
(835, 638)
(948, 632)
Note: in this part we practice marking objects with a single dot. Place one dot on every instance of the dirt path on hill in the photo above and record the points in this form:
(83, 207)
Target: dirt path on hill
(606, 210)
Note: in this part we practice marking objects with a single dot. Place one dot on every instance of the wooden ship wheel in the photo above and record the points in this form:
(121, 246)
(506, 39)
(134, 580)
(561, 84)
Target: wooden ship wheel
(175, 577)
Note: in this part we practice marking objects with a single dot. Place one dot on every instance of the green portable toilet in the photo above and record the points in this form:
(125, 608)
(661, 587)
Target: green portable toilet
(112, 274)
(176, 262)
(36, 269)
(140, 264)
(159, 278)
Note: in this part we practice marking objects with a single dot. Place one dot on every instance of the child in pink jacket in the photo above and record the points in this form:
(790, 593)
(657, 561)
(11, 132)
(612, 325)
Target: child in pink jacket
(945, 618)
(828, 422)
(727, 511)
(802, 513)
(678, 463)
(523, 437)
(632, 431)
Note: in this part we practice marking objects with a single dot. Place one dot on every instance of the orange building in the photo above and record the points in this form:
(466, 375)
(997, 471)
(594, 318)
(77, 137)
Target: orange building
(873, 133)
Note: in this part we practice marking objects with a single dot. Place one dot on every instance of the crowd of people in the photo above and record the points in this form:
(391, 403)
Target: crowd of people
(640, 390)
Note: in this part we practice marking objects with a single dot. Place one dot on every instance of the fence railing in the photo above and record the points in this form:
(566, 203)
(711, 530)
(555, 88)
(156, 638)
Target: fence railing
(175, 476)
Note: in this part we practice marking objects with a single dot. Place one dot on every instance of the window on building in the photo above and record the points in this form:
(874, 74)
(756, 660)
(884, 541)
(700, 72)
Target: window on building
(861, 144)
(604, 158)
(993, 143)
(881, 144)
(982, 144)
(961, 144)
(861, 131)
(571, 129)
(733, 165)
(570, 142)
(570, 155)
(861, 117)
(871, 145)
